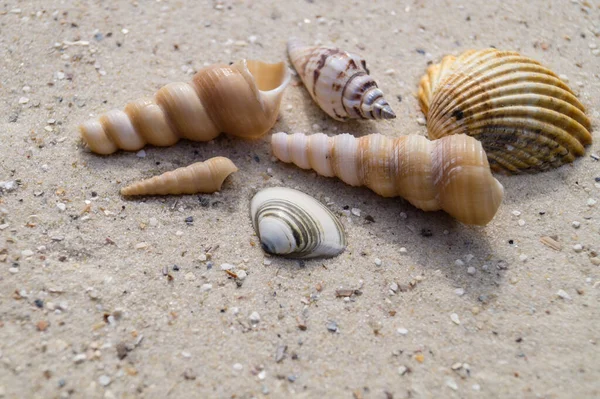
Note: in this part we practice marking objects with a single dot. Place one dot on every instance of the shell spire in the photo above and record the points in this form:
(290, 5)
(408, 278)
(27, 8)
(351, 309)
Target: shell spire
(199, 177)
(339, 82)
(241, 99)
(451, 174)
(527, 119)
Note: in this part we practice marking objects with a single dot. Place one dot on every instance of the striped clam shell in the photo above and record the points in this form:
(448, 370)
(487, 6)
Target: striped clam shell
(339, 82)
(295, 225)
(527, 119)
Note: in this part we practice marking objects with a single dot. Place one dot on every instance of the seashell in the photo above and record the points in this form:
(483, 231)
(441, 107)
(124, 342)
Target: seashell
(199, 177)
(241, 99)
(452, 173)
(293, 224)
(527, 119)
(339, 82)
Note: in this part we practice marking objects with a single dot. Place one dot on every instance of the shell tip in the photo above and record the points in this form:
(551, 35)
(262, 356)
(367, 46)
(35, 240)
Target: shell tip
(387, 112)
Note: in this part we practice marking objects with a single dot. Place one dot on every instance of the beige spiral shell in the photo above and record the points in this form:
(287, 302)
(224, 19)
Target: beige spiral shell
(339, 82)
(452, 173)
(527, 119)
(199, 177)
(241, 99)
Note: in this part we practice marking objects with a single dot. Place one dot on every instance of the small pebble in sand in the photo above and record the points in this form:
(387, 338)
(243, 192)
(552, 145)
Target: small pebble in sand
(402, 331)
(459, 263)
(205, 287)
(521, 222)
(378, 262)
(421, 121)
(61, 207)
(591, 202)
(471, 270)
(459, 291)
(254, 318)
(402, 370)
(403, 250)
(23, 100)
(13, 270)
(577, 248)
(141, 154)
(238, 367)
(450, 383)
(523, 258)
(454, 318)
(355, 211)
(267, 262)
(332, 326)
(227, 266)
(390, 71)
(241, 275)
(563, 294)
(575, 224)
(79, 358)
(516, 213)
(104, 380)
(26, 253)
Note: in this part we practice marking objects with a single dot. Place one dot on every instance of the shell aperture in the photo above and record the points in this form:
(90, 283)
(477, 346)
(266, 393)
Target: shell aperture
(526, 117)
(293, 224)
(339, 82)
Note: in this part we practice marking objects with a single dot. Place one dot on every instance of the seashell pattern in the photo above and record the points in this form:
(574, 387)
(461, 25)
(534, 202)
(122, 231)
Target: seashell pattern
(452, 173)
(526, 117)
(293, 224)
(339, 82)
(241, 99)
(199, 177)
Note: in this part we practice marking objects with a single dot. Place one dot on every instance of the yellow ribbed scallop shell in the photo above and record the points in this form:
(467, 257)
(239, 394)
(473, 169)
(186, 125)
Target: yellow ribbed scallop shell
(527, 119)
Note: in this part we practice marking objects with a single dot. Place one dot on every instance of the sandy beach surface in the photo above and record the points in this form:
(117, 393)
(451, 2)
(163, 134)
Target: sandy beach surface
(107, 297)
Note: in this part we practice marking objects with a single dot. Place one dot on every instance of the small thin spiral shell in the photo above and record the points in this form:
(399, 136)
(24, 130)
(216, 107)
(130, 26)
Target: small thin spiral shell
(339, 82)
(241, 99)
(199, 177)
(527, 118)
(452, 173)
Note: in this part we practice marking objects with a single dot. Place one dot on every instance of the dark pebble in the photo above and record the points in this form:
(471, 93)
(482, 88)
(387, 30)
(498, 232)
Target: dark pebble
(426, 232)
(399, 97)
(291, 378)
(39, 303)
(98, 36)
(256, 158)
(421, 51)
(204, 201)
(597, 179)
(370, 219)
(189, 220)
(12, 118)
(175, 268)
(122, 350)
(62, 383)
(209, 265)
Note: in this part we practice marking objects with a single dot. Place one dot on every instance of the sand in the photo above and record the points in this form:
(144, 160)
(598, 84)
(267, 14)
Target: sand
(102, 296)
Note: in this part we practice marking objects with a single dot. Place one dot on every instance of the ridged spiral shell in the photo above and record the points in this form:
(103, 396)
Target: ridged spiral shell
(339, 82)
(451, 173)
(199, 177)
(241, 99)
(526, 117)
(293, 224)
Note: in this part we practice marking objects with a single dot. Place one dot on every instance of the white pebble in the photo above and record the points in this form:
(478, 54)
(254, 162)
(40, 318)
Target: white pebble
(141, 154)
(254, 318)
(378, 262)
(454, 318)
(575, 224)
(242, 274)
(190, 276)
(202, 257)
(79, 358)
(60, 75)
(403, 250)
(227, 266)
(267, 262)
(61, 207)
(14, 270)
(23, 100)
(390, 71)
(206, 287)
(402, 370)
(563, 294)
(516, 213)
(316, 127)
(469, 257)
(26, 253)
(591, 202)
(523, 258)
(476, 387)
(564, 78)
(459, 291)
(471, 270)
(355, 211)
(124, 31)
(451, 384)
(185, 354)
(421, 121)
(521, 222)
(459, 263)
(104, 380)
(577, 248)
(402, 331)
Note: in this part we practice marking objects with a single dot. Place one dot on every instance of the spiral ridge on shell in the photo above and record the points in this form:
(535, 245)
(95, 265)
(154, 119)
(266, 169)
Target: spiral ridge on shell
(241, 99)
(451, 174)
(339, 82)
